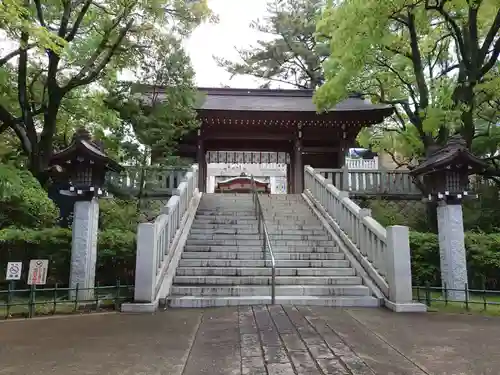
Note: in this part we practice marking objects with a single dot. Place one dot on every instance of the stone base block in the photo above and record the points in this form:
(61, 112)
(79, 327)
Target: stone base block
(405, 307)
(147, 307)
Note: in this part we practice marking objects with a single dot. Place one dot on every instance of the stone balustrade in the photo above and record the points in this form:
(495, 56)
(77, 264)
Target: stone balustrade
(383, 253)
(156, 239)
(149, 181)
(358, 163)
(366, 182)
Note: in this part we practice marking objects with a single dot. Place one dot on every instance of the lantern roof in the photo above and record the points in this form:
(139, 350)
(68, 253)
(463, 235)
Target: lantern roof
(83, 145)
(454, 153)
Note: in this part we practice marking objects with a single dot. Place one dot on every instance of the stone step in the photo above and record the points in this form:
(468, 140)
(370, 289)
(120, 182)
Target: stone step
(244, 255)
(226, 204)
(265, 290)
(263, 271)
(292, 218)
(270, 226)
(290, 226)
(231, 207)
(254, 230)
(203, 262)
(224, 230)
(266, 280)
(226, 217)
(237, 242)
(294, 221)
(273, 211)
(228, 224)
(256, 249)
(342, 301)
(218, 236)
(256, 236)
(224, 213)
(226, 220)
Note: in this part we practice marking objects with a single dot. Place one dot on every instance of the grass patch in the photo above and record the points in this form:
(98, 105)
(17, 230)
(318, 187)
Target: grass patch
(486, 303)
(23, 304)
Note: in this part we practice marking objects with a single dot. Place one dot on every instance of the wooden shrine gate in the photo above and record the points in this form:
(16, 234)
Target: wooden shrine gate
(268, 126)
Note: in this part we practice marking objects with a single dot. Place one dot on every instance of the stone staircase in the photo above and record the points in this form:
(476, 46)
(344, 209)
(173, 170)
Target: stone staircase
(222, 263)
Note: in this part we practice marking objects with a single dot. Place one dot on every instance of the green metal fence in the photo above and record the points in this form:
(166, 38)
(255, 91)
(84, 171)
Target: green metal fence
(474, 300)
(40, 301)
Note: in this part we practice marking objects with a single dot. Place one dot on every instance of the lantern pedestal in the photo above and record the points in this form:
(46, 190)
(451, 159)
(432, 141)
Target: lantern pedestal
(84, 249)
(452, 249)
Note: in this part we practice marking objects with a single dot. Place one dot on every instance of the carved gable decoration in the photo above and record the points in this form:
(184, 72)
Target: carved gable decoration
(241, 184)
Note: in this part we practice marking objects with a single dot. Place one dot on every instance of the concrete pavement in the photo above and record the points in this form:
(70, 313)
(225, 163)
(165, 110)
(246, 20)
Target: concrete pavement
(259, 340)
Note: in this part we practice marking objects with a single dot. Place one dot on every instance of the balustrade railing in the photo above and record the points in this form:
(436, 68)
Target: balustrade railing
(155, 240)
(266, 243)
(383, 253)
(150, 181)
(359, 163)
(369, 181)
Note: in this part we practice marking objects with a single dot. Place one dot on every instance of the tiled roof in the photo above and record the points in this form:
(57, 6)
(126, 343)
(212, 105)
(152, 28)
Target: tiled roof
(268, 100)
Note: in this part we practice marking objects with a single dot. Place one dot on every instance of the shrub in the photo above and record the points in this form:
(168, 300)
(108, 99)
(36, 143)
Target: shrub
(23, 202)
(115, 252)
(483, 259)
(118, 214)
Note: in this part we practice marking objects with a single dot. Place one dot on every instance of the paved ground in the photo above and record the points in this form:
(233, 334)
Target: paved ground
(252, 341)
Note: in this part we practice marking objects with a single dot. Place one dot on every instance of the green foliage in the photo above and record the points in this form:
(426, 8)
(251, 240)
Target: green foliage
(483, 214)
(70, 56)
(437, 62)
(411, 214)
(23, 202)
(118, 214)
(170, 110)
(483, 259)
(425, 267)
(480, 215)
(115, 254)
(289, 54)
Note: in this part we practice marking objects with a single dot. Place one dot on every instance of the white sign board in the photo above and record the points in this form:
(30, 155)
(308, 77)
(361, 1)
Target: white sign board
(37, 274)
(14, 271)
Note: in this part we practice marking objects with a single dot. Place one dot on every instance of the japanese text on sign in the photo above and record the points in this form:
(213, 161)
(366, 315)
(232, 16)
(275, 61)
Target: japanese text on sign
(37, 274)
(14, 271)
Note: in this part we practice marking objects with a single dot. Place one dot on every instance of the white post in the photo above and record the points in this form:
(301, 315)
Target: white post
(211, 184)
(272, 182)
(146, 263)
(84, 249)
(452, 249)
(398, 274)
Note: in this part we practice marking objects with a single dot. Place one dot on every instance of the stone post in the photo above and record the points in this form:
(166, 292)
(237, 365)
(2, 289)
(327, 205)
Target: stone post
(272, 183)
(84, 249)
(452, 249)
(211, 184)
(398, 272)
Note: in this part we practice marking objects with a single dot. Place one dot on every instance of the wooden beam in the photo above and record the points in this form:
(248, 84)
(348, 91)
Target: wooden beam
(250, 136)
(321, 149)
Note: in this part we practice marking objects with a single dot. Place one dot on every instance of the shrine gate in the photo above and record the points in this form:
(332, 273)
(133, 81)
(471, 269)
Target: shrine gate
(272, 126)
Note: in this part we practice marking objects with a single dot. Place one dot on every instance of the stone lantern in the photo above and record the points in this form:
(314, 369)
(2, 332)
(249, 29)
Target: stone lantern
(445, 179)
(83, 166)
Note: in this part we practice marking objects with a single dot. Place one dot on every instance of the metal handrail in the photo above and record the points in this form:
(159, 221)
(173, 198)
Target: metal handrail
(266, 243)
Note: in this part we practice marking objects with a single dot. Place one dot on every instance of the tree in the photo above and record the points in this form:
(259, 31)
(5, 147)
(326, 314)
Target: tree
(67, 52)
(290, 54)
(436, 61)
(160, 122)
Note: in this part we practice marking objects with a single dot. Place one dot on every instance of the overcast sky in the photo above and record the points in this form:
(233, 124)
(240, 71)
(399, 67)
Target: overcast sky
(221, 39)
